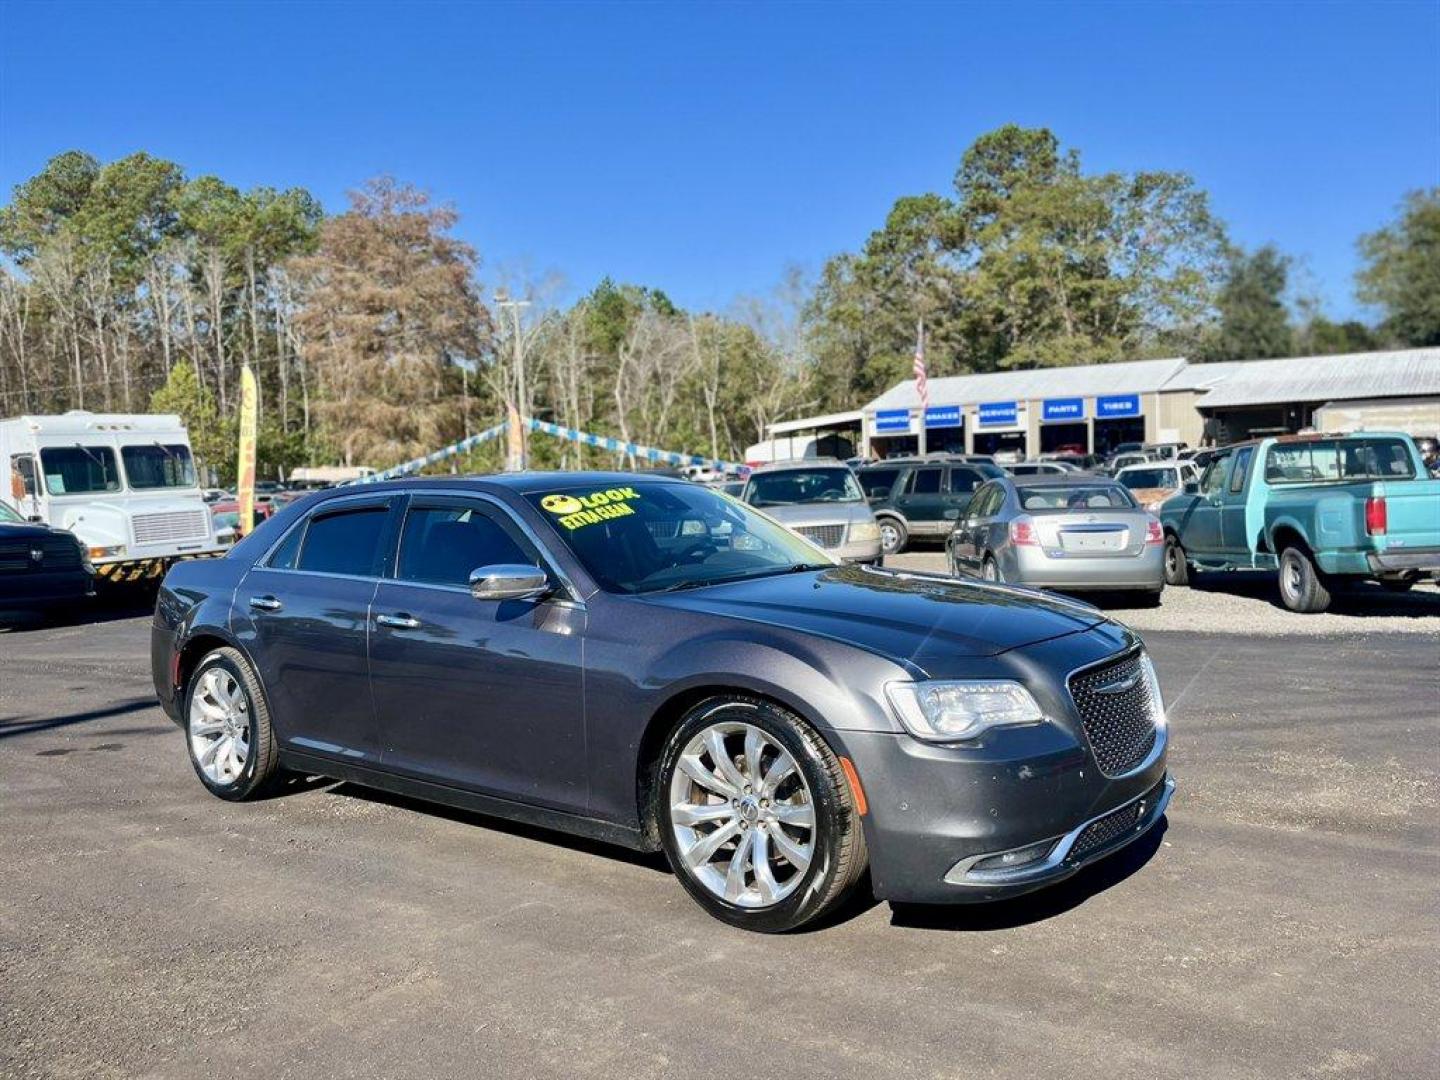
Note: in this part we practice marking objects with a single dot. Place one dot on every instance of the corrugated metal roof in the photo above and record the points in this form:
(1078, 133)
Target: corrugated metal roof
(1195, 376)
(810, 423)
(1399, 373)
(1132, 377)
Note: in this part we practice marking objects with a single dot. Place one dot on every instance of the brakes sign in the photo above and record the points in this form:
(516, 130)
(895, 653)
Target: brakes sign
(577, 511)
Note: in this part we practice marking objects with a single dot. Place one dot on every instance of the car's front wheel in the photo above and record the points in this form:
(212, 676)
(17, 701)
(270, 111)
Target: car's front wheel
(757, 816)
(893, 536)
(227, 727)
(1177, 568)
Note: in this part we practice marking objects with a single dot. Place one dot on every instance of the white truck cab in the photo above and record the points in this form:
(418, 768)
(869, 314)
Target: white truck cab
(123, 483)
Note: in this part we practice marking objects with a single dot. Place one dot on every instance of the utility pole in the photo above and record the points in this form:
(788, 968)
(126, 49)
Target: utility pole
(514, 306)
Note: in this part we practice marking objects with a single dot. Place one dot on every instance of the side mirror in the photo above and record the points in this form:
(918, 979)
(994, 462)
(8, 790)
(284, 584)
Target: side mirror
(509, 581)
(1192, 487)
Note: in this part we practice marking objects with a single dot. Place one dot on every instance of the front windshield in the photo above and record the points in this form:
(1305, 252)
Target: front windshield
(74, 470)
(647, 536)
(1135, 479)
(10, 517)
(790, 486)
(1052, 498)
(157, 466)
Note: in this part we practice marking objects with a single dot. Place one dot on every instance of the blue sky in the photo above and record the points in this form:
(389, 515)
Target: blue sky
(702, 149)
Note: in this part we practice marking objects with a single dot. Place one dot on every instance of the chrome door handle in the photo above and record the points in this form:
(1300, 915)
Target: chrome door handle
(399, 622)
(265, 603)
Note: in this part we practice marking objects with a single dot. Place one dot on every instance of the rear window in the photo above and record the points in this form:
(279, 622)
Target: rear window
(1135, 479)
(344, 543)
(1323, 460)
(1051, 499)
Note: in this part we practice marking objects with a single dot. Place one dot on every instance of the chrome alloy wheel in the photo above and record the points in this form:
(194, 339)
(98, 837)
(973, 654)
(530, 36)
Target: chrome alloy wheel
(220, 726)
(742, 814)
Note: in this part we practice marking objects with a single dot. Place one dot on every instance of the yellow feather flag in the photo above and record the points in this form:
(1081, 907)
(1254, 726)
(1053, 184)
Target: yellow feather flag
(245, 471)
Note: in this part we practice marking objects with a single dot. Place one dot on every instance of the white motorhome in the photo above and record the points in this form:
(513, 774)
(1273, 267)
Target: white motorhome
(123, 483)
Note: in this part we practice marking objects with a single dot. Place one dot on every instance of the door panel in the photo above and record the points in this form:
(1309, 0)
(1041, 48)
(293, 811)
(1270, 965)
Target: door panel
(480, 694)
(922, 502)
(1200, 528)
(1233, 536)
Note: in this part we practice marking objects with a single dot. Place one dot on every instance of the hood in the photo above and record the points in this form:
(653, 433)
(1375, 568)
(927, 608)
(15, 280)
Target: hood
(907, 617)
(818, 513)
(27, 531)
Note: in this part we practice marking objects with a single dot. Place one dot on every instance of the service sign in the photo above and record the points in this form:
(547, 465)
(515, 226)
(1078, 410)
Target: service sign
(943, 416)
(1117, 405)
(1065, 408)
(999, 412)
(892, 420)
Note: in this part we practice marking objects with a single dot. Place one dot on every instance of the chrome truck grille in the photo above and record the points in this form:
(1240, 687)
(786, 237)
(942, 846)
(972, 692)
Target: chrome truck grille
(176, 525)
(1116, 700)
(827, 536)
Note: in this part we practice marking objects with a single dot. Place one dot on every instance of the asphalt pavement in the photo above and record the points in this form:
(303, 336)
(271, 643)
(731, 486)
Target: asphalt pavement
(1283, 924)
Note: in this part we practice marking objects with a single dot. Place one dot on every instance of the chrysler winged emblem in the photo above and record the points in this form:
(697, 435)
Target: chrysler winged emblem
(1119, 686)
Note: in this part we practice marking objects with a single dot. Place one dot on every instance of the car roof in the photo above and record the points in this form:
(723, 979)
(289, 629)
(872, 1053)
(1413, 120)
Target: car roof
(522, 483)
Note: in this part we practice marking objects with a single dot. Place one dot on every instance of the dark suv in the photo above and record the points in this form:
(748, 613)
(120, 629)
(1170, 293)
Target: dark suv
(921, 496)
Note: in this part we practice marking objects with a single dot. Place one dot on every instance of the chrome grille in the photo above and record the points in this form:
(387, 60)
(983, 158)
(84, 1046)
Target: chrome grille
(1116, 701)
(827, 536)
(176, 525)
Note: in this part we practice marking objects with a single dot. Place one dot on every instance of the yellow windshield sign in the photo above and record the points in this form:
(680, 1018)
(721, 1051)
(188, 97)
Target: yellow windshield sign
(576, 511)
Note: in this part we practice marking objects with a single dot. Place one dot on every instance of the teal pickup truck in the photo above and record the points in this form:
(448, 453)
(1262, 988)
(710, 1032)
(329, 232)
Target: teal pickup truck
(1319, 509)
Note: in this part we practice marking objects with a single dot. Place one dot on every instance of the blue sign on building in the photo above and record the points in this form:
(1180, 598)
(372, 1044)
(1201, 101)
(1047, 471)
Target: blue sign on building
(1117, 405)
(943, 416)
(999, 412)
(1065, 408)
(892, 420)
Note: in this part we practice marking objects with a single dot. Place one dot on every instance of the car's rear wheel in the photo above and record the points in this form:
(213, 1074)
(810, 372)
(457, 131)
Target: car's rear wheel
(756, 815)
(1177, 570)
(1301, 586)
(990, 569)
(893, 536)
(227, 727)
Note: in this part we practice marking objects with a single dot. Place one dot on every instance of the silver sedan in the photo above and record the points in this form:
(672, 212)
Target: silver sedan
(1071, 534)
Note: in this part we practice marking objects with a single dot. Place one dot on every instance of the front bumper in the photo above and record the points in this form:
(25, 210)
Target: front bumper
(1054, 571)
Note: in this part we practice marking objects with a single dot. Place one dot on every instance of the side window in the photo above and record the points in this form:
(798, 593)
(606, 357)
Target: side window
(284, 556)
(1214, 479)
(988, 500)
(23, 476)
(925, 482)
(1242, 466)
(442, 545)
(345, 542)
(963, 481)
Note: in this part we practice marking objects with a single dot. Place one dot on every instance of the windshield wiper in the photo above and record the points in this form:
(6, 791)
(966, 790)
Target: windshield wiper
(794, 568)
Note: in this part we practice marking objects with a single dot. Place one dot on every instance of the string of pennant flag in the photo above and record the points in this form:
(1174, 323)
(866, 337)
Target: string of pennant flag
(584, 438)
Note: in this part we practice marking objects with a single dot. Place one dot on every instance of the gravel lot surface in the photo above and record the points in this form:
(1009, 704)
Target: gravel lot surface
(1223, 603)
(1283, 925)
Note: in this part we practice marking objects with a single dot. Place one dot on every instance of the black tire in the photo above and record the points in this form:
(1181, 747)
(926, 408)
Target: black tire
(839, 857)
(1177, 569)
(1302, 588)
(893, 535)
(1398, 584)
(262, 763)
(990, 570)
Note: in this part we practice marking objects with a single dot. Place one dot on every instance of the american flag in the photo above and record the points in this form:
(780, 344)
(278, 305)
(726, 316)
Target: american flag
(922, 386)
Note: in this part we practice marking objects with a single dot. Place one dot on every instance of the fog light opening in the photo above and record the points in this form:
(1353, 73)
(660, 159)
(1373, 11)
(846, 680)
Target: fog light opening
(1011, 860)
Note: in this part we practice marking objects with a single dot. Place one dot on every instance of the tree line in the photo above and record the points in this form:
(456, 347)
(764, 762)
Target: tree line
(129, 286)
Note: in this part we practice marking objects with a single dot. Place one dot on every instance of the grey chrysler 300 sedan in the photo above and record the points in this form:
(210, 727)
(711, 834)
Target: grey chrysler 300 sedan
(653, 664)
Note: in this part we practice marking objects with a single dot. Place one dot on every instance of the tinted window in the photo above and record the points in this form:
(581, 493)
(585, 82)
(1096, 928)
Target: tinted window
(344, 543)
(443, 545)
(965, 480)
(284, 555)
(158, 466)
(877, 481)
(925, 482)
(10, 517)
(70, 470)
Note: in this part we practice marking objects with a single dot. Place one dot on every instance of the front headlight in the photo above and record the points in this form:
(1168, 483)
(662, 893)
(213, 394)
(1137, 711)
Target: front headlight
(956, 711)
(864, 530)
